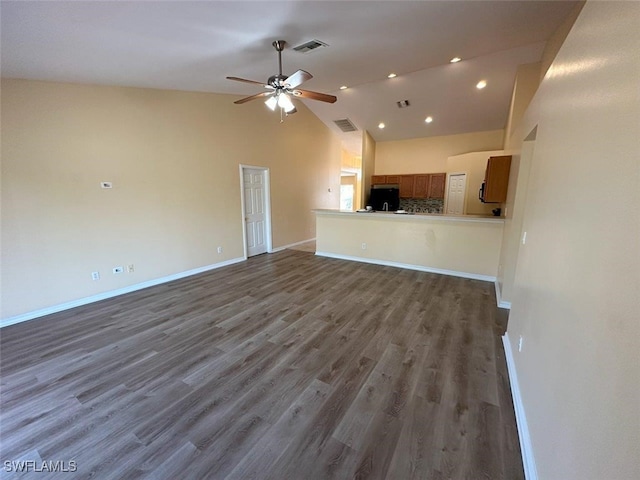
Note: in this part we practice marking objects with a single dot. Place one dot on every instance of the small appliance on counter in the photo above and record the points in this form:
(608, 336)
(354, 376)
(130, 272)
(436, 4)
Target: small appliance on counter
(385, 197)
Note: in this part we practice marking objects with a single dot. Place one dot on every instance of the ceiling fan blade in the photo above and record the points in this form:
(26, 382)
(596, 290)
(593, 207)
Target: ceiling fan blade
(298, 78)
(323, 97)
(253, 97)
(238, 79)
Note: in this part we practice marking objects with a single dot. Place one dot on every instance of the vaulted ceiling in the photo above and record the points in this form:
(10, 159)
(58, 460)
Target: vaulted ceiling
(193, 46)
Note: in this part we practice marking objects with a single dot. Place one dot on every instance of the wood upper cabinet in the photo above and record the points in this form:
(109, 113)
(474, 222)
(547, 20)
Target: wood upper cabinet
(393, 179)
(384, 179)
(406, 186)
(496, 180)
(421, 186)
(436, 185)
(429, 185)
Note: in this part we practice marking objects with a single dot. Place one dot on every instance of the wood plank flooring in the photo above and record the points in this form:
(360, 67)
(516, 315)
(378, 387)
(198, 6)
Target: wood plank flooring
(287, 366)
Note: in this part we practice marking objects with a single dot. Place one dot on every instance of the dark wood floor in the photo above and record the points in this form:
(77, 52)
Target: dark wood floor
(287, 366)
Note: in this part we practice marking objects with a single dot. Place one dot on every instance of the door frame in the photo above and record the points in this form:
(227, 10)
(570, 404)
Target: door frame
(448, 184)
(267, 206)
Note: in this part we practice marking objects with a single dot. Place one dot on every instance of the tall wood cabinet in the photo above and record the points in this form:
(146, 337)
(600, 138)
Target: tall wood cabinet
(496, 180)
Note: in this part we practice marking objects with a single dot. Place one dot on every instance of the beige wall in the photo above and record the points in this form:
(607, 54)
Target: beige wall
(368, 164)
(350, 160)
(419, 241)
(576, 291)
(524, 88)
(513, 213)
(554, 43)
(474, 165)
(173, 159)
(429, 155)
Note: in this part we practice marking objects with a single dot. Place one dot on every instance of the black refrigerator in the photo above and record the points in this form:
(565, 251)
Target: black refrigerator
(385, 197)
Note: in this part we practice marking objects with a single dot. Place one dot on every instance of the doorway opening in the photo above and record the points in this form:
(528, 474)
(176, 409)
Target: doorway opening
(256, 210)
(348, 184)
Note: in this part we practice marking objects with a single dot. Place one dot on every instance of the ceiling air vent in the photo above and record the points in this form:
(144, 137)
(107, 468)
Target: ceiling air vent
(403, 103)
(312, 45)
(345, 125)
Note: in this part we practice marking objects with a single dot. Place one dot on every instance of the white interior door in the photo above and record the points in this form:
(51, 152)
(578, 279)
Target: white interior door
(456, 193)
(255, 214)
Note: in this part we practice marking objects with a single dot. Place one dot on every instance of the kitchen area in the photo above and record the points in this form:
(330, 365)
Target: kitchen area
(443, 222)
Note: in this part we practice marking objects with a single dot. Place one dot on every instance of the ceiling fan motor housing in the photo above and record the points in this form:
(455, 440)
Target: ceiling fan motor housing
(277, 81)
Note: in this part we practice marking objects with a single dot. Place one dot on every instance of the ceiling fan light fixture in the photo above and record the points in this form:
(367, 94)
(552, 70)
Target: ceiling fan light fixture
(285, 102)
(271, 102)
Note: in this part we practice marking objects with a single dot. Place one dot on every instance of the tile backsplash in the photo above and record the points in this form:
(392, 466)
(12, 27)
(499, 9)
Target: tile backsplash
(422, 205)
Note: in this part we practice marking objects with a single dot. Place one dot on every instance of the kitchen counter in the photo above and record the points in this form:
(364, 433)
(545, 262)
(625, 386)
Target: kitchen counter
(461, 245)
(420, 216)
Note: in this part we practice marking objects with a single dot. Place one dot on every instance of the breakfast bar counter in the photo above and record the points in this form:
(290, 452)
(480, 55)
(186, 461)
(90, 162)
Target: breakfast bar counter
(460, 245)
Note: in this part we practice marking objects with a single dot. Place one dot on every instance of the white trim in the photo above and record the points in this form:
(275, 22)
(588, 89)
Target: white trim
(528, 460)
(279, 249)
(267, 206)
(113, 293)
(408, 266)
(501, 303)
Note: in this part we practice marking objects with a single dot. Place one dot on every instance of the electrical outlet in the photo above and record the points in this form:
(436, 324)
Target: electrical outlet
(130, 268)
(364, 246)
(219, 249)
(520, 343)
(95, 275)
(118, 270)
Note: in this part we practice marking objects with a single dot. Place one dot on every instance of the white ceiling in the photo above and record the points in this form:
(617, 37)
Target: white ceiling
(189, 45)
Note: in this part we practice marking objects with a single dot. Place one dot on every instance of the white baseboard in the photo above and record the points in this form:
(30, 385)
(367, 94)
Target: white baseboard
(501, 303)
(473, 276)
(113, 293)
(528, 461)
(279, 249)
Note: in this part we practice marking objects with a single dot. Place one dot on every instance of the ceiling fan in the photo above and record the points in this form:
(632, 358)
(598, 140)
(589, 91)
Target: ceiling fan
(281, 88)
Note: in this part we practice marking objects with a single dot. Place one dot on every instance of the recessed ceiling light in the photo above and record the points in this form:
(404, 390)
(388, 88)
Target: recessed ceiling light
(481, 84)
(381, 125)
(428, 119)
(455, 60)
(392, 75)
(343, 87)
